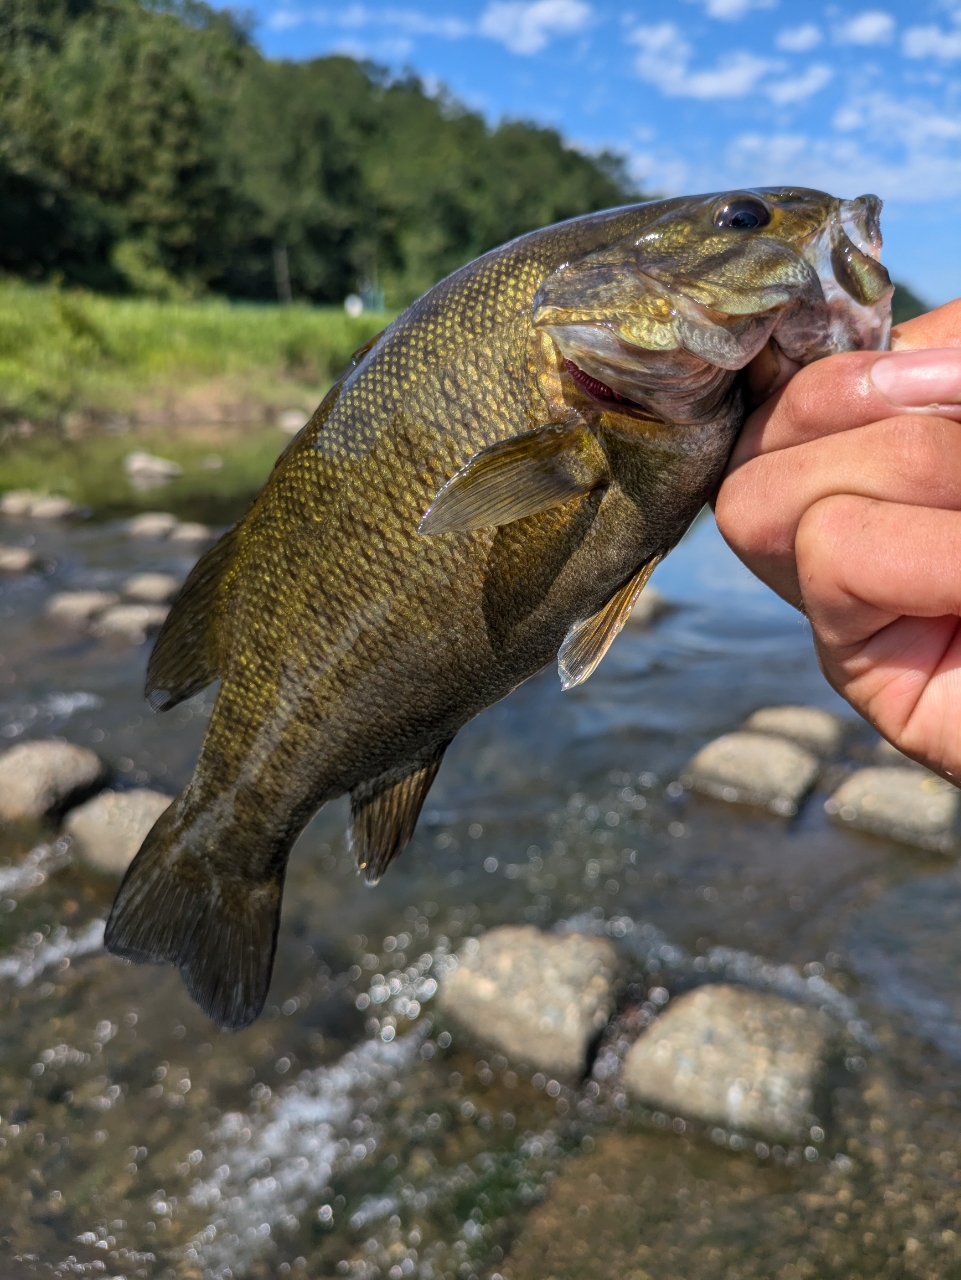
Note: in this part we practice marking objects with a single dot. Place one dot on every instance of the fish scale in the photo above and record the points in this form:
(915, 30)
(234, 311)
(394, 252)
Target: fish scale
(460, 511)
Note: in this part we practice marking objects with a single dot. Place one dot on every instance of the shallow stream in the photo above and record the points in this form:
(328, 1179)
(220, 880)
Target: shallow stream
(349, 1132)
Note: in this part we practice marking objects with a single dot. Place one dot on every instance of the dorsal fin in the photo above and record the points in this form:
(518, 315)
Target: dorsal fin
(383, 815)
(186, 657)
(519, 477)
(587, 642)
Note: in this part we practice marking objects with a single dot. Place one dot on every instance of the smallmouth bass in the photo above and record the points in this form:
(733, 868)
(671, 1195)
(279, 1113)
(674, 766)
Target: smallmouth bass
(485, 490)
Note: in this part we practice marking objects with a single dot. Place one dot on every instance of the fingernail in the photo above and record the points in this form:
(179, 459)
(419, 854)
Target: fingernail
(920, 379)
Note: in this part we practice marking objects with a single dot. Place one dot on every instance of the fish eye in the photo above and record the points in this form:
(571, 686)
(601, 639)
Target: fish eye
(742, 215)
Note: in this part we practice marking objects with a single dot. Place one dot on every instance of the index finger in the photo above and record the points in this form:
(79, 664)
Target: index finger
(853, 390)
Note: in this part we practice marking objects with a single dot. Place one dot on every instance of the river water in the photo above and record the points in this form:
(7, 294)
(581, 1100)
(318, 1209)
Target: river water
(349, 1132)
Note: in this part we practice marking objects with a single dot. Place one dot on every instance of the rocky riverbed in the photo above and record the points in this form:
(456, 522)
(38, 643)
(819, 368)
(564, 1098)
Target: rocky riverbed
(600, 1020)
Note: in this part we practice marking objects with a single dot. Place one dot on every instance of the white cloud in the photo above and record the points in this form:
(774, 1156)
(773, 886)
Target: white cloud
(932, 42)
(732, 10)
(526, 26)
(797, 88)
(664, 60)
(799, 39)
(873, 26)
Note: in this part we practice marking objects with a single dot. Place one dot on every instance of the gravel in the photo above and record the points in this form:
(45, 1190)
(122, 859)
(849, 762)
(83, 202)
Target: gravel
(907, 804)
(109, 829)
(39, 777)
(77, 608)
(541, 999)
(754, 768)
(731, 1056)
(819, 731)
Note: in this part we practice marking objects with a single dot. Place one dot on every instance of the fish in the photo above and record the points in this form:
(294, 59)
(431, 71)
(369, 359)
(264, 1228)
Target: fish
(486, 489)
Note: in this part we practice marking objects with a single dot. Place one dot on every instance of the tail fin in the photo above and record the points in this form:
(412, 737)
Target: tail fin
(175, 907)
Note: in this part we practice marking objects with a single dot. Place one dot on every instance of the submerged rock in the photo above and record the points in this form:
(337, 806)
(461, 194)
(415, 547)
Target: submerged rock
(77, 608)
(23, 502)
(907, 804)
(755, 768)
(109, 829)
(152, 524)
(819, 731)
(135, 621)
(542, 999)
(887, 753)
(39, 777)
(17, 559)
(151, 588)
(191, 531)
(727, 1055)
(16, 502)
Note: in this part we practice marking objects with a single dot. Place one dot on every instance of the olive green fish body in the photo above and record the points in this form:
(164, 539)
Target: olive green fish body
(487, 488)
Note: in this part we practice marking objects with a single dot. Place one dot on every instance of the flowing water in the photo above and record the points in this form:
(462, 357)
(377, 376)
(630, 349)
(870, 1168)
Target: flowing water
(349, 1132)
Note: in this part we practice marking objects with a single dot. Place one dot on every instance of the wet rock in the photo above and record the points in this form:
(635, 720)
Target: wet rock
(38, 777)
(754, 768)
(907, 804)
(819, 731)
(291, 420)
(22, 502)
(135, 621)
(151, 588)
(16, 502)
(52, 508)
(145, 469)
(77, 608)
(152, 524)
(17, 559)
(727, 1055)
(651, 604)
(191, 531)
(540, 998)
(109, 829)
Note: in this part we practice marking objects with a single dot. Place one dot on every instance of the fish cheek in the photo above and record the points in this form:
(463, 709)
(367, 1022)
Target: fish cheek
(525, 559)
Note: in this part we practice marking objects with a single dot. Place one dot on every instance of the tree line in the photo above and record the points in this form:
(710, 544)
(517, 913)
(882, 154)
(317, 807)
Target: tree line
(149, 147)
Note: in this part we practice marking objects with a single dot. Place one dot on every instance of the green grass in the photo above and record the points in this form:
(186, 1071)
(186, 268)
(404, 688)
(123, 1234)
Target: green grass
(76, 356)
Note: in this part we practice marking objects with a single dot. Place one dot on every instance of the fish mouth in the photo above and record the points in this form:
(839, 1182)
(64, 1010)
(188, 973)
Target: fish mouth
(662, 328)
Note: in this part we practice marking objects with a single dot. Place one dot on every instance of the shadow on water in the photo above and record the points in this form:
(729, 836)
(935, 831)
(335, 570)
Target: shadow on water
(348, 1132)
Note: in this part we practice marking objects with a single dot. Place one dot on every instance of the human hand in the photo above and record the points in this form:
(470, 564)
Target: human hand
(843, 494)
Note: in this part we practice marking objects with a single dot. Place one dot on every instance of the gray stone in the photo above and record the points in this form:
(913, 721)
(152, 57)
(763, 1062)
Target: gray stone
(145, 469)
(907, 804)
(151, 588)
(77, 608)
(734, 1057)
(36, 777)
(819, 731)
(540, 998)
(109, 829)
(754, 768)
(17, 559)
(52, 507)
(135, 621)
(650, 605)
(16, 502)
(152, 524)
(191, 531)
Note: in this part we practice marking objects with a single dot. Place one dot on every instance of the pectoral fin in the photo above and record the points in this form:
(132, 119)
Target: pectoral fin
(518, 478)
(587, 642)
(383, 815)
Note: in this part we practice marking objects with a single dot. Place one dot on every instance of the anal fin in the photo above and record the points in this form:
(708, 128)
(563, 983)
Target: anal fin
(383, 814)
(586, 643)
(519, 477)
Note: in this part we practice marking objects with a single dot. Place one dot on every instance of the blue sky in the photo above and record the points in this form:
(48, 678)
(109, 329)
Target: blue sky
(700, 95)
